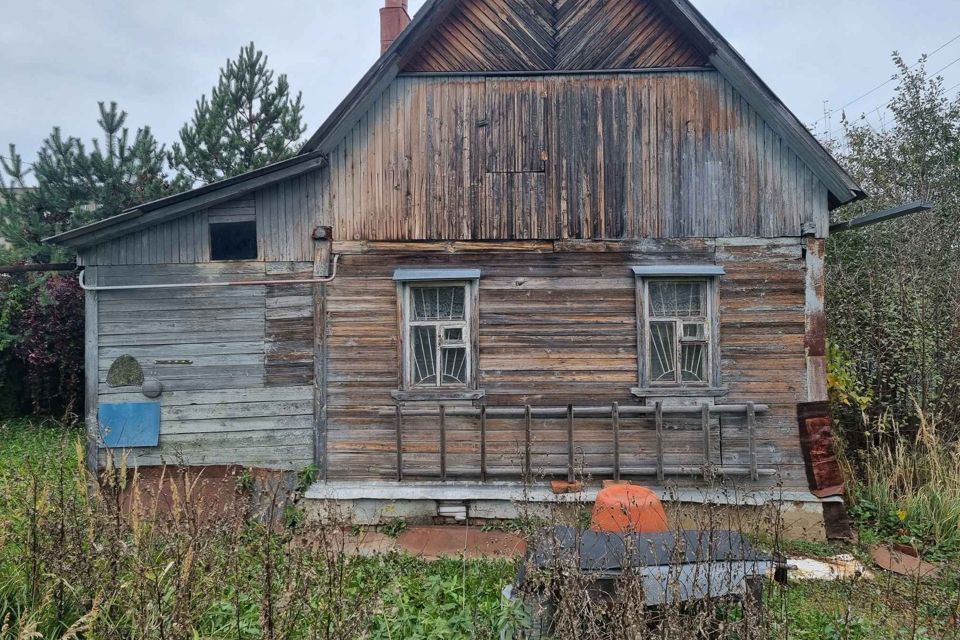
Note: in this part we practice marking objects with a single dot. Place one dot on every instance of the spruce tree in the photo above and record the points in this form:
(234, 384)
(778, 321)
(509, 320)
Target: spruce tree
(248, 122)
(71, 186)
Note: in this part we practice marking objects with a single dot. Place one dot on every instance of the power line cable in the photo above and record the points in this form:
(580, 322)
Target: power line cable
(886, 82)
(942, 69)
(878, 108)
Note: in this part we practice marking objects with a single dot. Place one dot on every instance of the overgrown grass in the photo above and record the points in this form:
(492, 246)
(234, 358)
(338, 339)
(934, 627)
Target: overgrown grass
(888, 606)
(72, 564)
(907, 489)
(47, 446)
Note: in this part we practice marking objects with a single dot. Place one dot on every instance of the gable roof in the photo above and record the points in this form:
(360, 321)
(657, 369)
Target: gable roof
(691, 23)
(158, 211)
(555, 35)
(403, 54)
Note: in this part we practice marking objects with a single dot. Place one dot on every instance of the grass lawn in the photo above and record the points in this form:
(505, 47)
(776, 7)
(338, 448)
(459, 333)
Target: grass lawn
(391, 597)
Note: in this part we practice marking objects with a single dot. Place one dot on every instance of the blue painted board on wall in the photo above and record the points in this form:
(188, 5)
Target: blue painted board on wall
(130, 424)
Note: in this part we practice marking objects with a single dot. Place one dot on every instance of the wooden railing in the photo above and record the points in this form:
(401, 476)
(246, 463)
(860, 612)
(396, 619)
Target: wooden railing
(571, 414)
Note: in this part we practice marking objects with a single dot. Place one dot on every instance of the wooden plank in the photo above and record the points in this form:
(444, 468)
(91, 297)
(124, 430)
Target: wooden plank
(658, 408)
(527, 445)
(815, 329)
(91, 352)
(752, 440)
(483, 443)
(399, 434)
(571, 474)
(320, 365)
(615, 423)
(242, 410)
(589, 184)
(707, 442)
(443, 443)
(234, 395)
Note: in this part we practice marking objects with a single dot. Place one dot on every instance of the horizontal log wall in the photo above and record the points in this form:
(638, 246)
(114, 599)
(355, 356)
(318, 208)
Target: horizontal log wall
(236, 371)
(558, 326)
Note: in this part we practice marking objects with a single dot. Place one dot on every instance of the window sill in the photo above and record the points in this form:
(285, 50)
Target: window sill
(428, 395)
(679, 392)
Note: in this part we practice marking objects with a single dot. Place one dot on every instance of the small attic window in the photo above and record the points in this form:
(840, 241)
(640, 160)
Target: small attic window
(233, 240)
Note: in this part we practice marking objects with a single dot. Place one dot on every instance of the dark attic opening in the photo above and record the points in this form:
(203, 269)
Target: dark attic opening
(233, 240)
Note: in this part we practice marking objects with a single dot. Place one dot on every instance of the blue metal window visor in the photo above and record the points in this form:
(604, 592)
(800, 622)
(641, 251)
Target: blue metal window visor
(424, 275)
(130, 424)
(678, 270)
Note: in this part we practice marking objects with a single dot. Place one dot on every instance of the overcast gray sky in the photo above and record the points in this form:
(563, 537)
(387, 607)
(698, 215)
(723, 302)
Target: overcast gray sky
(59, 57)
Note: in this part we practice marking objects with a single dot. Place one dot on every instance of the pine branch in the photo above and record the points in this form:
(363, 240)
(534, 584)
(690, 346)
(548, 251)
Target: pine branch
(249, 121)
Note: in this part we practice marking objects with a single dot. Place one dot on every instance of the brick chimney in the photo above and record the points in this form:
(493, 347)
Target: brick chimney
(393, 20)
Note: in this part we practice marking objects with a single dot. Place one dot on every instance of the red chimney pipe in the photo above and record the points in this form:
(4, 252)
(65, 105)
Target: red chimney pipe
(393, 20)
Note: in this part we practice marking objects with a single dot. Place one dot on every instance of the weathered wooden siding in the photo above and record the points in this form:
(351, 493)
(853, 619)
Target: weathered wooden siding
(229, 360)
(286, 215)
(553, 186)
(289, 334)
(558, 326)
(624, 156)
(621, 156)
(542, 35)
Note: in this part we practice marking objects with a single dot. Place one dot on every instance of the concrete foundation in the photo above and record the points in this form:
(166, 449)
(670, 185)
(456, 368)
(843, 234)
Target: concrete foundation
(794, 514)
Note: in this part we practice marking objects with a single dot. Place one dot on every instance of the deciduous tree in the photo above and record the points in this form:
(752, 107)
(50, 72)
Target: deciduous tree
(893, 301)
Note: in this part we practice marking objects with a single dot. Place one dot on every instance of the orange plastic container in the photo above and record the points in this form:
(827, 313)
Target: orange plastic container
(628, 509)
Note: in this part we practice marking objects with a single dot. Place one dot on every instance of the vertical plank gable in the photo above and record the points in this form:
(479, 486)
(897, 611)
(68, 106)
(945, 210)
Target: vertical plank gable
(672, 154)
(623, 156)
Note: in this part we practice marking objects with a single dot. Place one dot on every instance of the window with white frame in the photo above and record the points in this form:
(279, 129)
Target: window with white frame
(438, 322)
(677, 331)
(678, 337)
(437, 330)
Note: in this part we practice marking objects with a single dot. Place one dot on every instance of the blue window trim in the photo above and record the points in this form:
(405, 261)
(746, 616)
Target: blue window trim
(424, 275)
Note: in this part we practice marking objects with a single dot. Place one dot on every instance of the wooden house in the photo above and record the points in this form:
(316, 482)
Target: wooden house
(541, 239)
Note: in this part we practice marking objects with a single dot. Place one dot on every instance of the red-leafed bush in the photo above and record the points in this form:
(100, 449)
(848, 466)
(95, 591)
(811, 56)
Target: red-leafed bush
(41, 330)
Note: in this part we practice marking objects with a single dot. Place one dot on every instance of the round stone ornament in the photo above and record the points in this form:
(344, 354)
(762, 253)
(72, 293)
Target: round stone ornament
(152, 388)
